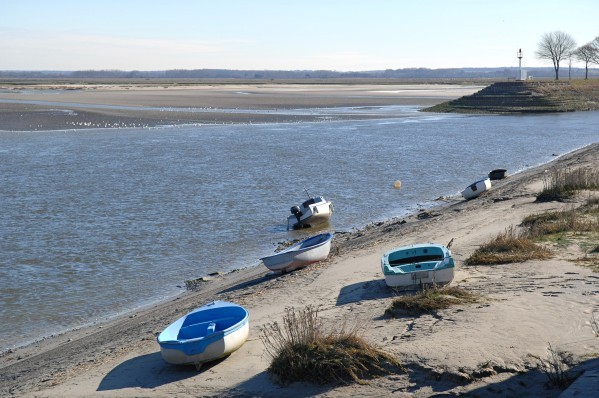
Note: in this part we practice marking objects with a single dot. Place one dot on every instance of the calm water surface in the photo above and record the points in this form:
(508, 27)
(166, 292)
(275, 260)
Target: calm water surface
(97, 222)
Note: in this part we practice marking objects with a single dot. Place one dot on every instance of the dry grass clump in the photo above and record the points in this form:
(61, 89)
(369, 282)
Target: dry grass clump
(579, 225)
(561, 185)
(302, 349)
(575, 221)
(508, 247)
(557, 367)
(431, 300)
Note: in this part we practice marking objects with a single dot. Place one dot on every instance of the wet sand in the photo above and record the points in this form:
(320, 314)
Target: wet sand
(81, 106)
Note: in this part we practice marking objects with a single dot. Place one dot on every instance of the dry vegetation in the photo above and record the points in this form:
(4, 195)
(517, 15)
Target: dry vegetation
(561, 185)
(303, 348)
(584, 219)
(591, 262)
(580, 224)
(431, 300)
(557, 367)
(509, 246)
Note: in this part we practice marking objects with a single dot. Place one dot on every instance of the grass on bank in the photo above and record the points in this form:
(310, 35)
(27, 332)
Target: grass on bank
(303, 348)
(584, 219)
(507, 247)
(575, 226)
(561, 185)
(431, 300)
(580, 225)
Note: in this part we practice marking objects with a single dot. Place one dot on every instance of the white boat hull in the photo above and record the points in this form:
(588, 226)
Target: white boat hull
(205, 334)
(319, 214)
(438, 277)
(312, 214)
(218, 349)
(477, 188)
(300, 255)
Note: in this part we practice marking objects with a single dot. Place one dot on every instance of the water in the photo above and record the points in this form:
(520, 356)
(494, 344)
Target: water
(97, 222)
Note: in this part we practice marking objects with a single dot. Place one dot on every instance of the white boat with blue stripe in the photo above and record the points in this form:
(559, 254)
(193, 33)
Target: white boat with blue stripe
(205, 334)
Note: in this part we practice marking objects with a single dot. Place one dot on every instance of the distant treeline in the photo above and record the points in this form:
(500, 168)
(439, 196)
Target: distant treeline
(410, 73)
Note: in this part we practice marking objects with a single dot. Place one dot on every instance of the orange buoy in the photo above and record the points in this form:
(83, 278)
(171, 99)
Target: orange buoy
(397, 184)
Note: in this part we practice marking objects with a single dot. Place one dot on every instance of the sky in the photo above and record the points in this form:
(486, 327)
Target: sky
(341, 35)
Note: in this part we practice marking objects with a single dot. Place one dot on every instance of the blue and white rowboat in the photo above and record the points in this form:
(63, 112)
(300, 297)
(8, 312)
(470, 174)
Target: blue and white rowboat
(301, 254)
(205, 334)
(413, 266)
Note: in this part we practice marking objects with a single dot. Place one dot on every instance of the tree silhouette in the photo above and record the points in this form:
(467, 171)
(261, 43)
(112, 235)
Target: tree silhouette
(587, 54)
(555, 46)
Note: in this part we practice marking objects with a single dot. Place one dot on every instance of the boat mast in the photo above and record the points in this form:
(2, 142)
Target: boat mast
(307, 193)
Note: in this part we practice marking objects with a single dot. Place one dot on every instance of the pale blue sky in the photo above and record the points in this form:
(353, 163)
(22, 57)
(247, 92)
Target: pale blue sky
(343, 35)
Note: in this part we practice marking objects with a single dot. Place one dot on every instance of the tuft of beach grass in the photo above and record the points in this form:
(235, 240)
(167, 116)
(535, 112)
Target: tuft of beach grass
(507, 247)
(561, 185)
(431, 300)
(303, 348)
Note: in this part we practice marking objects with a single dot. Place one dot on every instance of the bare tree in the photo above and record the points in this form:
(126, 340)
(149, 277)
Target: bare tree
(555, 46)
(595, 44)
(587, 54)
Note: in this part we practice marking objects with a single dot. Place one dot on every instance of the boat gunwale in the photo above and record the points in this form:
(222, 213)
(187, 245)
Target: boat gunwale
(294, 249)
(397, 269)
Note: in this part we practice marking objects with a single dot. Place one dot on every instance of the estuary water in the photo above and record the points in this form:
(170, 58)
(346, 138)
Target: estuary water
(98, 222)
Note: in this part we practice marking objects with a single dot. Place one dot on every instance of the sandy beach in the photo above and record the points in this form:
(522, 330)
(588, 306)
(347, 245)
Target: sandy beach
(486, 349)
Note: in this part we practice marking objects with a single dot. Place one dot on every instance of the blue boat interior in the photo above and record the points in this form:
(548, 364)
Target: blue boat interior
(315, 240)
(415, 259)
(207, 322)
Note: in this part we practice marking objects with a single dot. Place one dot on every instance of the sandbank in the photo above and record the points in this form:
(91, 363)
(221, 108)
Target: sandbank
(80, 106)
(486, 349)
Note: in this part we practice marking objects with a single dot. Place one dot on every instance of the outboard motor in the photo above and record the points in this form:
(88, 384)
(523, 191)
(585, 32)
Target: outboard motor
(295, 210)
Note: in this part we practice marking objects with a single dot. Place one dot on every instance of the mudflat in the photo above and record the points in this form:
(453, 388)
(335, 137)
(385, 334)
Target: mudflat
(60, 106)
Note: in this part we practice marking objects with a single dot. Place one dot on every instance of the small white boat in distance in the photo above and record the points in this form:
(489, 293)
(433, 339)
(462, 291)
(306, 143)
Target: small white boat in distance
(316, 210)
(475, 189)
(413, 266)
(301, 254)
(205, 334)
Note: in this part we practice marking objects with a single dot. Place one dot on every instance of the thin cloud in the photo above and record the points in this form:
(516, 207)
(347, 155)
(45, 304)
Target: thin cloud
(79, 51)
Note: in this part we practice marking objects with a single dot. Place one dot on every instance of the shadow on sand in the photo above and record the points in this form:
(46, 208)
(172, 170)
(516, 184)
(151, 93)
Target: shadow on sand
(148, 371)
(260, 279)
(531, 383)
(369, 290)
(261, 385)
